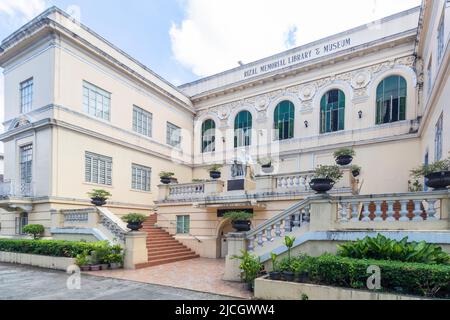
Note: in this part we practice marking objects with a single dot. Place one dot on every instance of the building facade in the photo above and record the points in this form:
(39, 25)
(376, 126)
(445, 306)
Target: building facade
(82, 114)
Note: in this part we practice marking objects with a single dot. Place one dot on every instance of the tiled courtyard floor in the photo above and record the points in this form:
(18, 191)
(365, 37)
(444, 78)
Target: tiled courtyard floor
(196, 274)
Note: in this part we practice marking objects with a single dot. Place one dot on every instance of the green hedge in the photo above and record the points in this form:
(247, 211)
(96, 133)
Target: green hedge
(400, 277)
(54, 248)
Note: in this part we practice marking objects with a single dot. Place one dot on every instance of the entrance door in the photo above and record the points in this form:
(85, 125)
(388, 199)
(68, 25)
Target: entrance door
(224, 248)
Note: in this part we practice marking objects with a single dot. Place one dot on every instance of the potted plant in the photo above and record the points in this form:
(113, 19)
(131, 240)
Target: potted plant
(275, 273)
(300, 268)
(288, 273)
(134, 221)
(251, 268)
(344, 156)
(34, 230)
(115, 258)
(100, 255)
(82, 260)
(166, 177)
(437, 174)
(324, 178)
(99, 197)
(240, 220)
(266, 165)
(356, 170)
(214, 171)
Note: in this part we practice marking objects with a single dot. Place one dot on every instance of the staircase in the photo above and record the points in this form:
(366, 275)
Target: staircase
(163, 248)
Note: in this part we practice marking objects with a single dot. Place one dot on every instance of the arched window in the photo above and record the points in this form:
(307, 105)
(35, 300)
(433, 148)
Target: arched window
(332, 111)
(284, 120)
(208, 136)
(243, 129)
(391, 100)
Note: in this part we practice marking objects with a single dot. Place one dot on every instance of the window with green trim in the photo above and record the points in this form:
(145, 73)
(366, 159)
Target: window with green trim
(183, 224)
(284, 120)
(243, 129)
(208, 136)
(391, 100)
(332, 111)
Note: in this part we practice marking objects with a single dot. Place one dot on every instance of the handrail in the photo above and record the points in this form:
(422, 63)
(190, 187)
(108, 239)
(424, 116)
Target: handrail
(287, 212)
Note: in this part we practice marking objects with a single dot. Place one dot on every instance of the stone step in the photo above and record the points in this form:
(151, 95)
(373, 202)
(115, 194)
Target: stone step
(168, 250)
(159, 247)
(166, 260)
(152, 256)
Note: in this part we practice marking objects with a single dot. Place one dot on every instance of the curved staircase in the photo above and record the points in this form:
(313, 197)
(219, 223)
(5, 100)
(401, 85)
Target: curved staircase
(163, 248)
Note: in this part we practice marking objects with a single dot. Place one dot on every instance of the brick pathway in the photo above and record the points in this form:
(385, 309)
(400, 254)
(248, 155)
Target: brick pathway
(199, 274)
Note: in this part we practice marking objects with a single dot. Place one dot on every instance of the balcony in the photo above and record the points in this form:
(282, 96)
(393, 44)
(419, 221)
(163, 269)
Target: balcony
(11, 189)
(271, 185)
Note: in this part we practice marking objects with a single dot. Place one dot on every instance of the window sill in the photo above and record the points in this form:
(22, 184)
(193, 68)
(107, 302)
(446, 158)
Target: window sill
(141, 191)
(98, 185)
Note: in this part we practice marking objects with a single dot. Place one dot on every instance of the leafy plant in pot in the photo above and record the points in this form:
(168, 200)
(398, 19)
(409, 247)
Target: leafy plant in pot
(344, 156)
(251, 268)
(300, 267)
(437, 174)
(356, 170)
(288, 273)
(82, 260)
(266, 165)
(324, 178)
(214, 171)
(99, 197)
(134, 221)
(240, 220)
(275, 274)
(166, 177)
(100, 255)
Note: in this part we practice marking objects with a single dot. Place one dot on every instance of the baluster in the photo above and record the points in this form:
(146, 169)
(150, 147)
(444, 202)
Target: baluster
(287, 224)
(307, 214)
(269, 233)
(260, 239)
(404, 210)
(250, 243)
(297, 219)
(366, 212)
(378, 211)
(417, 211)
(278, 229)
(355, 217)
(302, 183)
(431, 212)
(390, 211)
(343, 214)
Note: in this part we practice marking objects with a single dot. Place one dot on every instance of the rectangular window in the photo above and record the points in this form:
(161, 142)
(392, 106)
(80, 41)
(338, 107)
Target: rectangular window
(183, 224)
(26, 166)
(98, 169)
(26, 96)
(142, 121)
(96, 101)
(438, 138)
(173, 137)
(429, 76)
(140, 177)
(440, 37)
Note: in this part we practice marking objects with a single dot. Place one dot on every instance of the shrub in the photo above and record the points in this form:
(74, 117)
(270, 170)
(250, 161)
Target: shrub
(250, 265)
(409, 278)
(328, 172)
(35, 230)
(215, 167)
(237, 215)
(382, 248)
(134, 218)
(82, 259)
(426, 169)
(166, 174)
(99, 193)
(54, 248)
(344, 152)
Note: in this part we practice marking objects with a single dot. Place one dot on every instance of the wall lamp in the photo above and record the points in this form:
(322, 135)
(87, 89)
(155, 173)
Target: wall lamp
(306, 123)
(360, 114)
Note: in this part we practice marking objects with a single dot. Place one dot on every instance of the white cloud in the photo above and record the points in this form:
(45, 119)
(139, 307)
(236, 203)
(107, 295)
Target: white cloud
(14, 13)
(216, 34)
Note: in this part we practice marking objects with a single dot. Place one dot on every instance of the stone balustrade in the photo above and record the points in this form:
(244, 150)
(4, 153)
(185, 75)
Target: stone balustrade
(76, 216)
(408, 207)
(190, 191)
(277, 227)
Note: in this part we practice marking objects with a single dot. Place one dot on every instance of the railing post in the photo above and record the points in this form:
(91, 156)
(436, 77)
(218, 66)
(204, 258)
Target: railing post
(431, 212)
(404, 210)
(163, 192)
(344, 213)
(236, 245)
(287, 224)
(366, 212)
(390, 211)
(378, 211)
(135, 249)
(355, 217)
